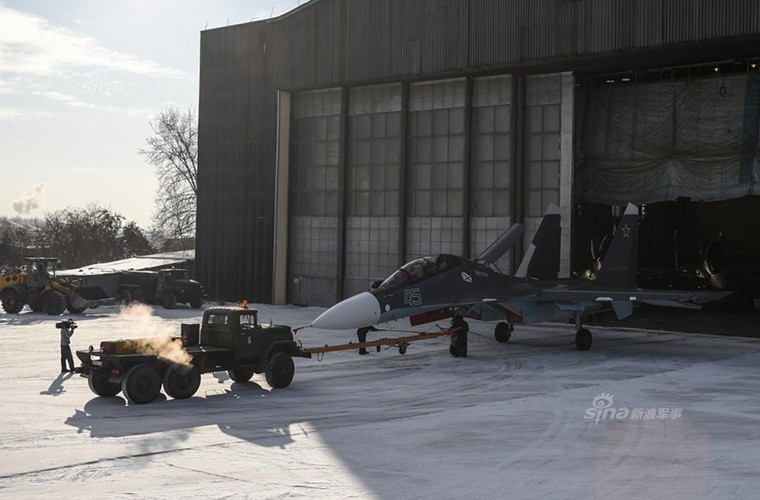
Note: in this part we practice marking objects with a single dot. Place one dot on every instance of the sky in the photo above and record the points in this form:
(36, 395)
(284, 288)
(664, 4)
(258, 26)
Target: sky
(80, 81)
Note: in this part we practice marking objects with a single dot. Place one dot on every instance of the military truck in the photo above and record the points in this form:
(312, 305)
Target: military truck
(167, 287)
(228, 338)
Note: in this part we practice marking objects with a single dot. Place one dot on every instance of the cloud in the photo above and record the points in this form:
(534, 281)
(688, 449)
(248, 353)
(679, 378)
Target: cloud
(16, 114)
(75, 102)
(31, 46)
(26, 204)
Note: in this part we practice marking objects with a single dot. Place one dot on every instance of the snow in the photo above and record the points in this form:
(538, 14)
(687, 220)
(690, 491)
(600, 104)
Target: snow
(506, 422)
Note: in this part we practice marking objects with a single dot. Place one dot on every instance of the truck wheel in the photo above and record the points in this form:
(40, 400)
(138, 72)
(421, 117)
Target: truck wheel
(141, 384)
(100, 385)
(169, 300)
(280, 370)
(182, 381)
(53, 303)
(196, 304)
(12, 303)
(240, 374)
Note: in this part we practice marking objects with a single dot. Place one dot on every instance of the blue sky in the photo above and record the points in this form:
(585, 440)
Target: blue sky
(80, 81)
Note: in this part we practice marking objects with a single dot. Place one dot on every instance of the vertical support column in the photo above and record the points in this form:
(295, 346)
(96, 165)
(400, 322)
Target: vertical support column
(342, 171)
(518, 161)
(403, 167)
(566, 170)
(466, 167)
(280, 254)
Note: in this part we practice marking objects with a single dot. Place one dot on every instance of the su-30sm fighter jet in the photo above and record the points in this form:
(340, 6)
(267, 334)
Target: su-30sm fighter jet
(431, 288)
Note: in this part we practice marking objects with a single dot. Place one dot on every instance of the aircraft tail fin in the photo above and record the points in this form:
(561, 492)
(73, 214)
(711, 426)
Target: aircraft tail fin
(502, 245)
(619, 263)
(541, 260)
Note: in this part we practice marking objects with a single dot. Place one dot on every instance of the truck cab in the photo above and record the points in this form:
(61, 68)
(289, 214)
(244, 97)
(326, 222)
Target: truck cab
(239, 329)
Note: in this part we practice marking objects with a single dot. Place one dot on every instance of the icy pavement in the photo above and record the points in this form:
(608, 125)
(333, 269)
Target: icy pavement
(643, 414)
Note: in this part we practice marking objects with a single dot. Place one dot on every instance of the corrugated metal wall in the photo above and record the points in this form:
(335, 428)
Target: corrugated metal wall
(333, 43)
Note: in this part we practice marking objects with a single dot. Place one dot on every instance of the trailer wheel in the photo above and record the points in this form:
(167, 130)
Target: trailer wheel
(240, 374)
(141, 384)
(169, 300)
(196, 303)
(53, 303)
(182, 381)
(100, 385)
(280, 370)
(12, 303)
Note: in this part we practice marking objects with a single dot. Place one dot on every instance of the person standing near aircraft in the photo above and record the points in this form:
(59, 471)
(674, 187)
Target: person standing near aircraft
(361, 334)
(458, 347)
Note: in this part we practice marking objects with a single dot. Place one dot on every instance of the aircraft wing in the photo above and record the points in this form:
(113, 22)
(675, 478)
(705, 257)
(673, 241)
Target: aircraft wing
(622, 301)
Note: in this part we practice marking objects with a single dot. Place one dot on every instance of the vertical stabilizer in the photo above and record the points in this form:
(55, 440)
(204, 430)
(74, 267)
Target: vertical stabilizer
(541, 260)
(619, 264)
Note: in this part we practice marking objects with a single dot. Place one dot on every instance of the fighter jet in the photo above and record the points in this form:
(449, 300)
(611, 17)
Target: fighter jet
(433, 287)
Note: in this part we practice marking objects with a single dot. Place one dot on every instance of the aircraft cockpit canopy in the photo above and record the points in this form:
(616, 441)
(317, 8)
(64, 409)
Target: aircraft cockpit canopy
(414, 271)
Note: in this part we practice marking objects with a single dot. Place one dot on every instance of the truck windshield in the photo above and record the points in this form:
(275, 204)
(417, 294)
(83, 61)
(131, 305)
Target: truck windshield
(247, 321)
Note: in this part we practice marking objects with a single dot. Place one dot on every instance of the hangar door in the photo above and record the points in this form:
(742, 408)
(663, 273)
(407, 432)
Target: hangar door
(651, 142)
(314, 187)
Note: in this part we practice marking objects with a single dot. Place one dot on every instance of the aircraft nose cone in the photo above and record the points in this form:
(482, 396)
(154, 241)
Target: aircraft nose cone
(354, 312)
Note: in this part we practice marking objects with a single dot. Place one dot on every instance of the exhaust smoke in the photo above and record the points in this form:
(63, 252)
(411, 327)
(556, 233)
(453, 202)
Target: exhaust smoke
(156, 336)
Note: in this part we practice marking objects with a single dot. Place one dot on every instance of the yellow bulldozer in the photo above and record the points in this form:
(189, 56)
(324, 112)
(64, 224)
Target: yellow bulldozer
(39, 287)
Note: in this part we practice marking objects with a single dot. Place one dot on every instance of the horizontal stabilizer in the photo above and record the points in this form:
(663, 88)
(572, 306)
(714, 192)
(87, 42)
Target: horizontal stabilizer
(622, 308)
(502, 245)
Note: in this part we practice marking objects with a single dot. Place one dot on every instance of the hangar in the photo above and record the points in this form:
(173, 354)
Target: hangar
(345, 137)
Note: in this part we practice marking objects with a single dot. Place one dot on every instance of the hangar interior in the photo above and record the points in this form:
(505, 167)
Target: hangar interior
(347, 137)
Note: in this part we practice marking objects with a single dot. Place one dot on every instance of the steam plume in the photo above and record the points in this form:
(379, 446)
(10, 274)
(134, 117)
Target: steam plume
(26, 204)
(156, 335)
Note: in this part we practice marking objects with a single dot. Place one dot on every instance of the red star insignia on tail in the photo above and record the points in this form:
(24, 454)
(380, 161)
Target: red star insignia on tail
(626, 230)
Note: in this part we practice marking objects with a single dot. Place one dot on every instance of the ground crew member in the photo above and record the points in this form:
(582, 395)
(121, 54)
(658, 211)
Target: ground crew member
(458, 347)
(361, 334)
(67, 330)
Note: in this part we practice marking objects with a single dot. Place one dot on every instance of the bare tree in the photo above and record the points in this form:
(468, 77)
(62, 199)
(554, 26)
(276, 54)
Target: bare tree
(173, 152)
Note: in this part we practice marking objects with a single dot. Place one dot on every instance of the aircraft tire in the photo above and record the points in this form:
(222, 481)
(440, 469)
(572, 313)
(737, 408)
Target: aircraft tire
(583, 339)
(502, 332)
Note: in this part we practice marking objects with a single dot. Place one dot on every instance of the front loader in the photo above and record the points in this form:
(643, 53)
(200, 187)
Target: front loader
(39, 287)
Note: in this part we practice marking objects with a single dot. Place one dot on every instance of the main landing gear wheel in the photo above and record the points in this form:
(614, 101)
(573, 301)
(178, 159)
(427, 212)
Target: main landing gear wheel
(502, 332)
(141, 384)
(583, 339)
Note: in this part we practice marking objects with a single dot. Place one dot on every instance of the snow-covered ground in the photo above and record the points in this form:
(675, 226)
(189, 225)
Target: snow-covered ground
(530, 419)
